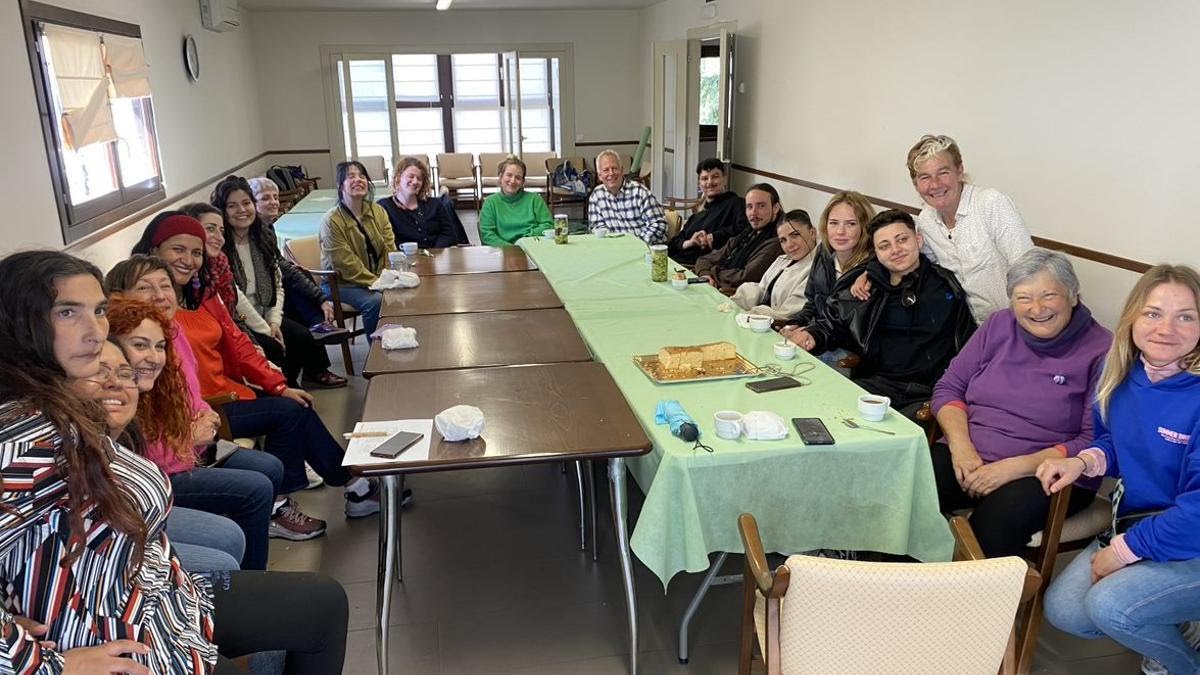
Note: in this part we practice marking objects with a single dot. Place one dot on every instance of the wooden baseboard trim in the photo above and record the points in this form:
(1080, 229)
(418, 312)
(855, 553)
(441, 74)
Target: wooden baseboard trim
(1070, 249)
(162, 204)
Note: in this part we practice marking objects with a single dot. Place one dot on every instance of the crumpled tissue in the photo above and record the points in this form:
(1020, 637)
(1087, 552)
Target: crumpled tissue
(459, 423)
(763, 425)
(389, 279)
(399, 338)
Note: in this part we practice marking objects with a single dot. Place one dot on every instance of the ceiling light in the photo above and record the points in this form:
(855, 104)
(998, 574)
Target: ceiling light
(443, 4)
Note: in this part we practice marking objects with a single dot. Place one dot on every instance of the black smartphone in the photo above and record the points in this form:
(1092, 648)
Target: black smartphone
(773, 384)
(812, 431)
(697, 280)
(392, 447)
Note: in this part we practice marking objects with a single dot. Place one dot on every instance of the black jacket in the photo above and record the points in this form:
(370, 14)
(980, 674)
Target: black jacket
(723, 217)
(823, 284)
(297, 281)
(909, 331)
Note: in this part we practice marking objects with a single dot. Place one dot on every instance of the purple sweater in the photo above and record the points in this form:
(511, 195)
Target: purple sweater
(1023, 395)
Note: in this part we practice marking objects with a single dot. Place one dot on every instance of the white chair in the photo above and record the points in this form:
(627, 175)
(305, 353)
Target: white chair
(845, 617)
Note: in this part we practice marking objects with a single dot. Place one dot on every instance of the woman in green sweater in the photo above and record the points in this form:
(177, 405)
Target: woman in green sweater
(512, 213)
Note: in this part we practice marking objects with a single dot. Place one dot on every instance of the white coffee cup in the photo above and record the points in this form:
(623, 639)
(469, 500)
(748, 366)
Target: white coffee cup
(785, 350)
(409, 247)
(548, 234)
(873, 408)
(728, 424)
(679, 284)
(760, 323)
(600, 232)
(743, 320)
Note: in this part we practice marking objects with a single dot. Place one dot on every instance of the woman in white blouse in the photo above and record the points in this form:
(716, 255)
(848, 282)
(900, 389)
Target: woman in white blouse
(780, 293)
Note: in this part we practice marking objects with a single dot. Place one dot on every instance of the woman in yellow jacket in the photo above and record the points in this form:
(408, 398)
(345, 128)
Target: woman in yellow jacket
(356, 238)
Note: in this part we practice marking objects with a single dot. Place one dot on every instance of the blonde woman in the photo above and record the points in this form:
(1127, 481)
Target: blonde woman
(1140, 580)
(512, 212)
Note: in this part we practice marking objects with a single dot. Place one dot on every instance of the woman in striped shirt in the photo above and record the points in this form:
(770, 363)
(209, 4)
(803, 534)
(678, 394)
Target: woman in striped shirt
(88, 579)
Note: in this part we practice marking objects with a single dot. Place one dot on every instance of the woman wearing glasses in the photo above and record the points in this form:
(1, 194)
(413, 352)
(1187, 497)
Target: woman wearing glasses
(780, 293)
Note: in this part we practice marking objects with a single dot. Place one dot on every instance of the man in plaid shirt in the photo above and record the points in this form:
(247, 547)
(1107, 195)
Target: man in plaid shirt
(625, 205)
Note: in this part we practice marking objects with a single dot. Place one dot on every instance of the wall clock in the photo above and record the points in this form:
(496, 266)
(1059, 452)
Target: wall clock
(191, 58)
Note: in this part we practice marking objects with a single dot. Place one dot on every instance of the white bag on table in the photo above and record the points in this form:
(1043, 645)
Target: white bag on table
(390, 279)
(399, 338)
(459, 423)
(763, 425)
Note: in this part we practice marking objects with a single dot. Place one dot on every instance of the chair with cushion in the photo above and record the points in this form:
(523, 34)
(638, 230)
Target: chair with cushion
(306, 252)
(843, 617)
(535, 180)
(557, 196)
(377, 167)
(677, 210)
(456, 173)
(489, 181)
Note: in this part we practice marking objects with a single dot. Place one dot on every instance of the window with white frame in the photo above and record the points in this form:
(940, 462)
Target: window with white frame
(93, 91)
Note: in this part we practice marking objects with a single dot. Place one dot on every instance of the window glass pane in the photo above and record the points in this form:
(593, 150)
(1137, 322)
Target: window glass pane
(476, 80)
(477, 131)
(420, 131)
(341, 78)
(535, 128)
(415, 78)
(90, 172)
(131, 117)
(556, 118)
(372, 110)
(533, 80)
(710, 75)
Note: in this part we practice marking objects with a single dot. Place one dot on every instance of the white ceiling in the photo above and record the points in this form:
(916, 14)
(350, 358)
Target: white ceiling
(348, 5)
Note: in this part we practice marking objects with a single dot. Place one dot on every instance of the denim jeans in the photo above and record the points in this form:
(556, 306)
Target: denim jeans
(294, 434)
(367, 301)
(205, 542)
(242, 489)
(1140, 606)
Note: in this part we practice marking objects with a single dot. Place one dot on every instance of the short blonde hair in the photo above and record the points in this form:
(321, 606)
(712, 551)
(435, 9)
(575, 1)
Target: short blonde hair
(929, 146)
(616, 157)
(863, 213)
(1123, 352)
(511, 160)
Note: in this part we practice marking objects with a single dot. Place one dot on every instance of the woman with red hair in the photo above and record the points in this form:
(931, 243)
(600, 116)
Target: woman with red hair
(178, 426)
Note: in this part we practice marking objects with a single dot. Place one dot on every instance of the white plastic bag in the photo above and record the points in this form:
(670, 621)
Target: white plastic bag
(763, 425)
(392, 279)
(399, 338)
(459, 423)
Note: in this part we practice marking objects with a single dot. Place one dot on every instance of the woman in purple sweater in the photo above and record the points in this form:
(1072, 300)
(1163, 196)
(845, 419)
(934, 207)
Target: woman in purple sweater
(1020, 392)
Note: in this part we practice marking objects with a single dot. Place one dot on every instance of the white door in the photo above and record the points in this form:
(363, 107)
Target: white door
(511, 75)
(727, 97)
(669, 138)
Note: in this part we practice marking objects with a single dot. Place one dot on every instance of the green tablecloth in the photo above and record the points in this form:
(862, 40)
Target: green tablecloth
(869, 491)
(320, 201)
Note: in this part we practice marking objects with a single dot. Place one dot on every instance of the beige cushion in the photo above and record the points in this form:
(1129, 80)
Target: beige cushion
(246, 443)
(376, 166)
(535, 182)
(489, 181)
(349, 310)
(674, 223)
(844, 617)
(489, 162)
(305, 251)
(1083, 525)
(457, 183)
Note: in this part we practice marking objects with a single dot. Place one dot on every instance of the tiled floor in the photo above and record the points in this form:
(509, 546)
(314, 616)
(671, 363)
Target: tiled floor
(495, 582)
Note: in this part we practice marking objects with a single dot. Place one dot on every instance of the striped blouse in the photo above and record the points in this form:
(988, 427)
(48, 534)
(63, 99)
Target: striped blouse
(91, 602)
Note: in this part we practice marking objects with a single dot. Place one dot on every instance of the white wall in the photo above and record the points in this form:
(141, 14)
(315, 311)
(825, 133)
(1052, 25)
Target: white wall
(607, 51)
(203, 127)
(1082, 111)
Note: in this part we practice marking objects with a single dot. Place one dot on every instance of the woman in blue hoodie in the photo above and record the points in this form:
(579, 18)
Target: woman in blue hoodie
(1140, 581)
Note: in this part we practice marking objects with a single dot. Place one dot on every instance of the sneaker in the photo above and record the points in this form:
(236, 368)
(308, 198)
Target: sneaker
(327, 332)
(1152, 667)
(314, 479)
(368, 504)
(289, 522)
(1191, 633)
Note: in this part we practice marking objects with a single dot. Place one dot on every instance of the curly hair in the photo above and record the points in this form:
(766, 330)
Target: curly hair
(165, 412)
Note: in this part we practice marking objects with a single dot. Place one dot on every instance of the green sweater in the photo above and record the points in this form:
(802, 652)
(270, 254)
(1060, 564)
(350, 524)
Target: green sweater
(504, 219)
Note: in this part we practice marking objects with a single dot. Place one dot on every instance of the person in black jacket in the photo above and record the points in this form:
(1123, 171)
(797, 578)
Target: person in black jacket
(722, 215)
(843, 254)
(413, 215)
(908, 332)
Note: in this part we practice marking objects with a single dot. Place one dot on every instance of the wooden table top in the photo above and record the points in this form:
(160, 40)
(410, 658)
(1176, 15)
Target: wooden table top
(472, 260)
(541, 413)
(481, 339)
(457, 293)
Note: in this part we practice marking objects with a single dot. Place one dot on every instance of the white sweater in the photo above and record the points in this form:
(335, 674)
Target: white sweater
(787, 296)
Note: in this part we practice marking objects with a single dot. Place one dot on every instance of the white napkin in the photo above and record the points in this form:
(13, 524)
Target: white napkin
(399, 338)
(763, 425)
(393, 279)
(460, 422)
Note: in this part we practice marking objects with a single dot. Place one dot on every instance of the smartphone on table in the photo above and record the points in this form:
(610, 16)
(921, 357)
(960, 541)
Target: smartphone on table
(392, 447)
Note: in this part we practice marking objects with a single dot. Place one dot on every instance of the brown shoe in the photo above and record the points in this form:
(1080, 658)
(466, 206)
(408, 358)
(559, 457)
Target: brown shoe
(289, 522)
(325, 380)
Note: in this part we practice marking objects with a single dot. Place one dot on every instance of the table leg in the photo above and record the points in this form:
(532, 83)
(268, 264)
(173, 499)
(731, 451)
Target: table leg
(389, 550)
(711, 579)
(616, 481)
(582, 512)
(591, 489)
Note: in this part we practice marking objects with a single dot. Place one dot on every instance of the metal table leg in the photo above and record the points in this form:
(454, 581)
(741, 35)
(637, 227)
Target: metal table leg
(711, 579)
(389, 555)
(616, 482)
(591, 489)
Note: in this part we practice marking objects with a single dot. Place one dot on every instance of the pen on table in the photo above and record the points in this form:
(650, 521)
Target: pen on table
(365, 434)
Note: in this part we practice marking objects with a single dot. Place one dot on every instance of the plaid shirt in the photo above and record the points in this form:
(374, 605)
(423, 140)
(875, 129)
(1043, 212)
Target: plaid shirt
(633, 209)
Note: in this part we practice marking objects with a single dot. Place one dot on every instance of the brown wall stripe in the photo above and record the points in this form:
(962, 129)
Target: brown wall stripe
(1070, 249)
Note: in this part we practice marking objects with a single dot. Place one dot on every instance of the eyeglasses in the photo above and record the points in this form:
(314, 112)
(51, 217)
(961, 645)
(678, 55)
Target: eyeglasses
(125, 376)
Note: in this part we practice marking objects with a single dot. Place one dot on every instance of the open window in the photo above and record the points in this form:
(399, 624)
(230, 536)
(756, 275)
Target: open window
(97, 112)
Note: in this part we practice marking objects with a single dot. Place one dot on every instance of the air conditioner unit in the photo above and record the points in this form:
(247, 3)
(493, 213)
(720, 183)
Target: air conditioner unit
(220, 15)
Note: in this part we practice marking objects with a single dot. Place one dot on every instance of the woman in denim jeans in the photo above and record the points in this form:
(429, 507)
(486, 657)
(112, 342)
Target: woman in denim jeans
(1139, 584)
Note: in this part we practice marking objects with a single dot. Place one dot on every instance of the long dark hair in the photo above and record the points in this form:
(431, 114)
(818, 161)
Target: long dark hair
(262, 237)
(343, 169)
(30, 373)
(191, 294)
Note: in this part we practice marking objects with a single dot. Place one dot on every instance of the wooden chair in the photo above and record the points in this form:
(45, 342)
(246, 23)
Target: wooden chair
(456, 173)
(306, 252)
(489, 180)
(677, 210)
(535, 180)
(217, 403)
(815, 615)
(556, 196)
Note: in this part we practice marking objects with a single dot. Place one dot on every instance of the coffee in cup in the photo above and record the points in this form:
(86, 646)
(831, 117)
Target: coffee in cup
(873, 408)
(760, 323)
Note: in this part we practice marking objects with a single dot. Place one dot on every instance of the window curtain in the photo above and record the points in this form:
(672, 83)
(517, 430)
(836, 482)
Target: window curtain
(78, 71)
(127, 68)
